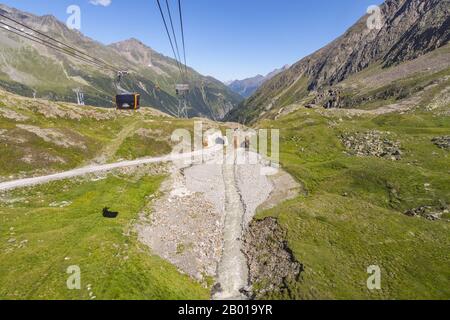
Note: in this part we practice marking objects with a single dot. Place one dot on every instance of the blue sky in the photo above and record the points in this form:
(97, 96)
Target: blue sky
(227, 39)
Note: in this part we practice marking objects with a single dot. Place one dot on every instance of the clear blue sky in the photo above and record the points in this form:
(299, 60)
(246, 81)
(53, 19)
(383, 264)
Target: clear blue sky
(227, 39)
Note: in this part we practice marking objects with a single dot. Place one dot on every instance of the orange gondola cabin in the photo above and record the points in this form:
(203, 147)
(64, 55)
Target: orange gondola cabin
(128, 101)
(125, 100)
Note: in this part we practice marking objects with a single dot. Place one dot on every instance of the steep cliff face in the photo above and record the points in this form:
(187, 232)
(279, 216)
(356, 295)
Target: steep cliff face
(28, 68)
(410, 28)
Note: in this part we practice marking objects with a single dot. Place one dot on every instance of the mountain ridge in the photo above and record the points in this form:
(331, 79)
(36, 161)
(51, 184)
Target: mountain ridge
(54, 76)
(411, 28)
(246, 87)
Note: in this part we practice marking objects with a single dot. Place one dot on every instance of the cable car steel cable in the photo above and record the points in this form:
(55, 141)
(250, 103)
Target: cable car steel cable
(20, 33)
(174, 36)
(83, 56)
(58, 42)
(182, 89)
(182, 36)
(168, 35)
(123, 100)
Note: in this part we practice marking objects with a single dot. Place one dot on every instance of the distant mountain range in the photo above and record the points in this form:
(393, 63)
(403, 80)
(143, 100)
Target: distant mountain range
(409, 30)
(31, 69)
(247, 87)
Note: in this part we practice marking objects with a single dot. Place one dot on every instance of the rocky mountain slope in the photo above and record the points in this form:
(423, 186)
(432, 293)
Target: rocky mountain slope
(28, 68)
(247, 87)
(410, 29)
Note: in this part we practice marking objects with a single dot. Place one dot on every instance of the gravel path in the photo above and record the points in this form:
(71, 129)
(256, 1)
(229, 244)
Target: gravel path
(9, 185)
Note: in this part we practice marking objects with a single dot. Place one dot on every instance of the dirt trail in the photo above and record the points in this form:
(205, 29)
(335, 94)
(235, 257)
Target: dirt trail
(111, 149)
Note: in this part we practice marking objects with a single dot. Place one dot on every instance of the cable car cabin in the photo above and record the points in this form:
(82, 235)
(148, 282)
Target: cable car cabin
(128, 101)
(181, 89)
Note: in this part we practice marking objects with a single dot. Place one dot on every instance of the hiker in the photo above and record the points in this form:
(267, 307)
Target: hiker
(236, 139)
(247, 143)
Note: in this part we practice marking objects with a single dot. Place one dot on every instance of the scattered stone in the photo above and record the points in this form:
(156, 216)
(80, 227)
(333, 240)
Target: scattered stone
(150, 133)
(373, 143)
(12, 115)
(432, 213)
(22, 244)
(186, 225)
(55, 110)
(36, 157)
(183, 227)
(61, 204)
(439, 105)
(11, 138)
(53, 136)
(442, 142)
(271, 263)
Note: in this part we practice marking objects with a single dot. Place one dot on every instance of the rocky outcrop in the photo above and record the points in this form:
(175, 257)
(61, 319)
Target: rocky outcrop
(401, 38)
(271, 263)
(431, 213)
(373, 143)
(429, 31)
(329, 99)
(442, 142)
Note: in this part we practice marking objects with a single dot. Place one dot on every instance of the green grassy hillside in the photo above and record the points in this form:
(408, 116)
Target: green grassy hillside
(40, 240)
(45, 229)
(351, 215)
(39, 136)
